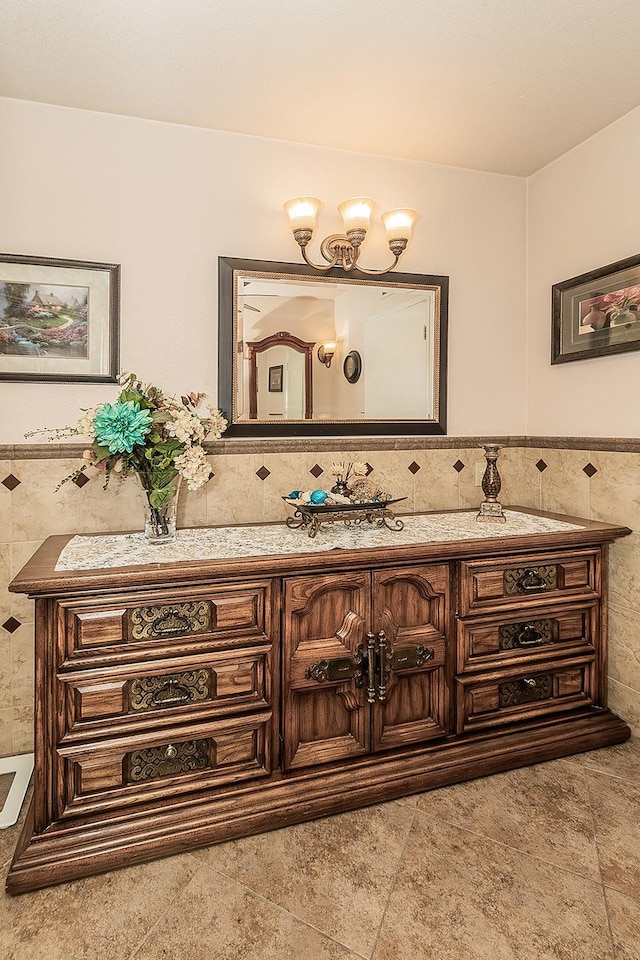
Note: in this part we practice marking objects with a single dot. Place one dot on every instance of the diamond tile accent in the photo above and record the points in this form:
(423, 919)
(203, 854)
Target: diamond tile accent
(263, 473)
(414, 467)
(458, 466)
(81, 480)
(369, 469)
(11, 625)
(316, 470)
(541, 465)
(589, 469)
(11, 482)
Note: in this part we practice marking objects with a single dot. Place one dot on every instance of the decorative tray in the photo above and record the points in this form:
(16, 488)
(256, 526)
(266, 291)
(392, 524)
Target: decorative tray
(312, 515)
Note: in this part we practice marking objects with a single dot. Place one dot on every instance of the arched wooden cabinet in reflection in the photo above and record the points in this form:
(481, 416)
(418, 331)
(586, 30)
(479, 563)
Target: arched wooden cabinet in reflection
(280, 339)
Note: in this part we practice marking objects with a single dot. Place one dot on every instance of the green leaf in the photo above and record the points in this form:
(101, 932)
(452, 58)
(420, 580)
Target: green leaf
(161, 497)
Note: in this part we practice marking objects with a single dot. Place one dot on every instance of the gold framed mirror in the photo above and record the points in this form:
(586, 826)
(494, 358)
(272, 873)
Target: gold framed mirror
(281, 315)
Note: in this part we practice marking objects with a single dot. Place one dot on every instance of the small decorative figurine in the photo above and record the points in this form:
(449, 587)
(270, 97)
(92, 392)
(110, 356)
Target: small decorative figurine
(491, 508)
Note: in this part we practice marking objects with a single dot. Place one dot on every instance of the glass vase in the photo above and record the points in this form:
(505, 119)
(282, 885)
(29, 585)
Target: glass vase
(160, 523)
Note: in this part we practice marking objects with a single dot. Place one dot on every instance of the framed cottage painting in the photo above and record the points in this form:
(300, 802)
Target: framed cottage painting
(59, 320)
(597, 313)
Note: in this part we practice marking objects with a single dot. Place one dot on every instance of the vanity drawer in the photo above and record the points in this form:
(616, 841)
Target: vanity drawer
(512, 638)
(162, 763)
(501, 697)
(486, 585)
(131, 626)
(163, 692)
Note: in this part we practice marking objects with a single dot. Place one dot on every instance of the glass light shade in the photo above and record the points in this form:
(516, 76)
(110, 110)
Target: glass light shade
(329, 346)
(356, 213)
(303, 212)
(398, 223)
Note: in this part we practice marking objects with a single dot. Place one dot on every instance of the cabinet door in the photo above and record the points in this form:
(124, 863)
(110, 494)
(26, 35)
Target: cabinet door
(324, 619)
(411, 605)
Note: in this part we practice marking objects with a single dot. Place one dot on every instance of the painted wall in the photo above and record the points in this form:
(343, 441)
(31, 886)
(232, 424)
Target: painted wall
(165, 201)
(583, 212)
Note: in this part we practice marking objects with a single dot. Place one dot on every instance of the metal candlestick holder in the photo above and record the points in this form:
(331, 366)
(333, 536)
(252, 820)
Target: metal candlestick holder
(491, 508)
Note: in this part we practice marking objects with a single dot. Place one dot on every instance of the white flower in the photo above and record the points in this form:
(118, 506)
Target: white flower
(187, 427)
(85, 421)
(217, 423)
(193, 467)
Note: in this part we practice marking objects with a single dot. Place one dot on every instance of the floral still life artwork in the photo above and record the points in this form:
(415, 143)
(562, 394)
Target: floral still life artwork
(156, 437)
(597, 313)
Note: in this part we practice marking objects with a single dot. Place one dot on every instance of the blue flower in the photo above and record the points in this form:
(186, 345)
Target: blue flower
(121, 426)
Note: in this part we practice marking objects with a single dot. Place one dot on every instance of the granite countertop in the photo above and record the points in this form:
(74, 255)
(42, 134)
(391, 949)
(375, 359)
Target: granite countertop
(228, 543)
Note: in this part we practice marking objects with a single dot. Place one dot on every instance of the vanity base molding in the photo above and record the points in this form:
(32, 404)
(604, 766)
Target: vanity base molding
(181, 704)
(68, 850)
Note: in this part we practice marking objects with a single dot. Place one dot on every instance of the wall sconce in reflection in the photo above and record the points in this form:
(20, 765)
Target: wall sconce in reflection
(326, 352)
(343, 250)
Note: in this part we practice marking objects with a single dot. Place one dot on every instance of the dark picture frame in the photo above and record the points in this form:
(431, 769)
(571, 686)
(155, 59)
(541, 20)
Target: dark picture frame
(59, 320)
(275, 378)
(597, 313)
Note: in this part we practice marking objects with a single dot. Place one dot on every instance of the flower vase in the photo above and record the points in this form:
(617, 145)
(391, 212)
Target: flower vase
(340, 487)
(160, 521)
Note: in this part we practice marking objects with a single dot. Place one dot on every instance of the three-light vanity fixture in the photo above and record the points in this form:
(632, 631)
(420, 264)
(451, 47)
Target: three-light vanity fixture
(343, 250)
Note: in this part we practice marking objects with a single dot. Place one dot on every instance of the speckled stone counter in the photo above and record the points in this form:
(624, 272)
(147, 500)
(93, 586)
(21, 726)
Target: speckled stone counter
(225, 543)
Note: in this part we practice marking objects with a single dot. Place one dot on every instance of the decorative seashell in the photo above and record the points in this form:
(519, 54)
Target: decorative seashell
(318, 496)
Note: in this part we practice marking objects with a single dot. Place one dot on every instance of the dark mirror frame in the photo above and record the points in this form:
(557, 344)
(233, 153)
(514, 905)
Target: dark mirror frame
(227, 269)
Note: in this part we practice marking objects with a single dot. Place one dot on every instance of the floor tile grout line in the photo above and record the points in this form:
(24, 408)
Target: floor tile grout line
(163, 913)
(604, 892)
(509, 846)
(392, 885)
(603, 773)
(281, 909)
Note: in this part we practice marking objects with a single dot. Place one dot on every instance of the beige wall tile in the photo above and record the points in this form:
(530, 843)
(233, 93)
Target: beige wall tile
(38, 511)
(22, 726)
(624, 646)
(21, 606)
(521, 479)
(6, 669)
(5, 577)
(192, 507)
(6, 730)
(22, 663)
(615, 488)
(471, 495)
(436, 484)
(624, 572)
(5, 503)
(625, 702)
(290, 471)
(234, 493)
(565, 487)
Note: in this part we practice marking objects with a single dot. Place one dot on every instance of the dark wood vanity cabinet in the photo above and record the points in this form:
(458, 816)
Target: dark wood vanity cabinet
(180, 704)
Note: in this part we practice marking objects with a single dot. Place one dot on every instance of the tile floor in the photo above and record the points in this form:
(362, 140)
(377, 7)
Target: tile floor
(535, 864)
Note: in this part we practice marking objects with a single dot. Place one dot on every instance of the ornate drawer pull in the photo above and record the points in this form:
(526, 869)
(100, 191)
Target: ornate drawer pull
(170, 620)
(153, 763)
(531, 581)
(172, 690)
(171, 624)
(529, 682)
(528, 637)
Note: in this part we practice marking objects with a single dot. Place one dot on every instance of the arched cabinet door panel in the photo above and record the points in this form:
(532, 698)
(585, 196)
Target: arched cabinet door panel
(365, 660)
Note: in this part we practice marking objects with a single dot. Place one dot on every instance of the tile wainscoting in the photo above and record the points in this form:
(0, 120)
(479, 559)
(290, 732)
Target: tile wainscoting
(588, 478)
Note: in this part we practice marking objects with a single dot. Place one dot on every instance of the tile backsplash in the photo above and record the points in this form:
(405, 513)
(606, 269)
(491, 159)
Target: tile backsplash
(248, 488)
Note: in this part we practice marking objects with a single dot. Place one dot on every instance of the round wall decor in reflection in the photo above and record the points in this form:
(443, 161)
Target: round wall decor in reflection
(352, 366)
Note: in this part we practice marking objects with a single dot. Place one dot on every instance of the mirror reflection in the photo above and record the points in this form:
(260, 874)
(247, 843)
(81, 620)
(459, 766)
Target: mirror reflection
(320, 350)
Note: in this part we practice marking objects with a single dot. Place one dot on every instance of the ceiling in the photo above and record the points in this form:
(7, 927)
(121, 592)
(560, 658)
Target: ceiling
(497, 85)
